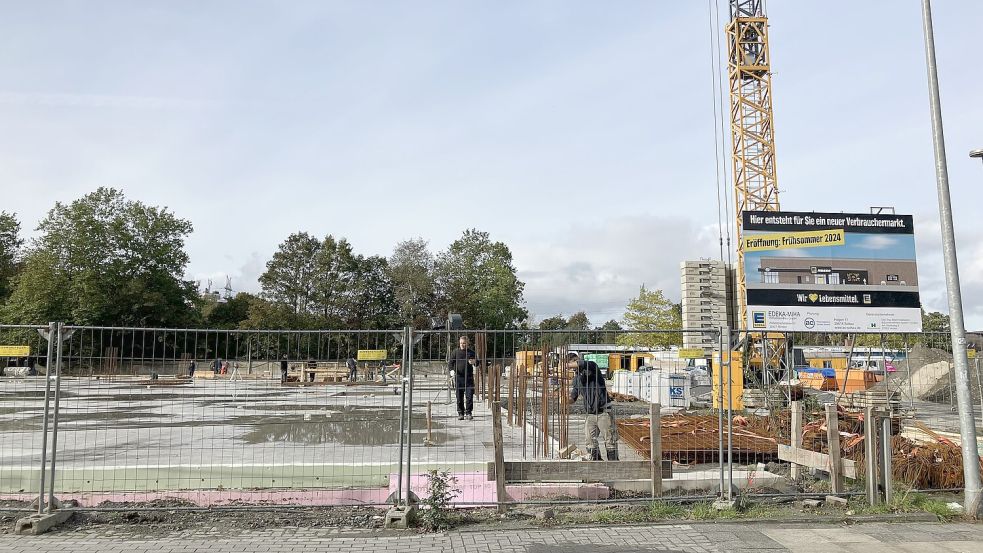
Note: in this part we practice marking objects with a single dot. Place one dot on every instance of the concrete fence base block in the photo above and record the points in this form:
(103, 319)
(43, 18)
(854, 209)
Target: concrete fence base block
(400, 518)
(836, 501)
(39, 524)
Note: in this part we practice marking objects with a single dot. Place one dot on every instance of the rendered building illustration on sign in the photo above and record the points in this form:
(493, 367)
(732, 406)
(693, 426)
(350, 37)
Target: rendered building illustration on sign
(830, 272)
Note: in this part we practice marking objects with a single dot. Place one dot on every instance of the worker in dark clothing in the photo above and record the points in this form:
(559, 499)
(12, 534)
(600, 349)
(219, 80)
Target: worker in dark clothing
(217, 366)
(461, 365)
(589, 384)
(283, 369)
(352, 368)
(191, 369)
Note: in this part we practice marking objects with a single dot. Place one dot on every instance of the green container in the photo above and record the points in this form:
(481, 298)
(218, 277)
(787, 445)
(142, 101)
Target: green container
(600, 358)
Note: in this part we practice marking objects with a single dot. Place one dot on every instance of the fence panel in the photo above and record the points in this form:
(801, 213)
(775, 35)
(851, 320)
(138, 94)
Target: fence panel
(24, 357)
(906, 377)
(137, 425)
(545, 433)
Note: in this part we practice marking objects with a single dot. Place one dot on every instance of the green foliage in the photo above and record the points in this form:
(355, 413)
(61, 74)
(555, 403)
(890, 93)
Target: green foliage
(553, 323)
(412, 271)
(231, 313)
(290, 273)
(476, 278)
(311, 283)
(578, 321)
(440, 492)
(103, 259)
(649, 311)
(10, 246)
(661, 510)
(906, 502)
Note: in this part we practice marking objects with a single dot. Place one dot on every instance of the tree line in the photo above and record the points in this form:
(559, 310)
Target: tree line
(106, 260)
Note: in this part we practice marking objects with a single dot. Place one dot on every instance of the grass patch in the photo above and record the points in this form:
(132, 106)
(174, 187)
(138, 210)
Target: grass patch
(660, 510)
(706, 511)
(907, 503)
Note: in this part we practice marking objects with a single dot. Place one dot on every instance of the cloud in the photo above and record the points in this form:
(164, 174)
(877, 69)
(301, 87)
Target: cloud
(877, 242)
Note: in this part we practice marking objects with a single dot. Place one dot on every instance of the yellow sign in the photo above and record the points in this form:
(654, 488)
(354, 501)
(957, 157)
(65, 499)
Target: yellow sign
(792, 240)
(15, 351)
(692, 353)
(971, 353)
(371, 355)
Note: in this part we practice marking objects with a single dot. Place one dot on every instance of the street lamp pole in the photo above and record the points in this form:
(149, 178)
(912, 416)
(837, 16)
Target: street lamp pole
(967, 423)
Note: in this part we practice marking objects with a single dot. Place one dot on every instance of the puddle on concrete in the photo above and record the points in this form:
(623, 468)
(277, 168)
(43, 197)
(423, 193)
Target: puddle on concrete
(34, 422)
(368, 427)
(34, 394)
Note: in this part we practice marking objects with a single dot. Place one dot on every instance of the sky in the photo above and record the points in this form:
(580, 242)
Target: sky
(579, 133)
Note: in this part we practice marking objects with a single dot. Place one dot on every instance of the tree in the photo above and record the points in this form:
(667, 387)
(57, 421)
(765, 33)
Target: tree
(476, 278)
(370, 301)
(335, 266)
(556, 322)
(935, 322)
(106, 260)
(610, 325)
(10, 245)
(650, 311)
(578, 321)
(608, 332)
(289, 278)
(230, 313)
(411, 270)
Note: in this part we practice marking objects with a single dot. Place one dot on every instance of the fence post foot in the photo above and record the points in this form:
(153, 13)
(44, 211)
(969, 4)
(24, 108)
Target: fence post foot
(400, 517)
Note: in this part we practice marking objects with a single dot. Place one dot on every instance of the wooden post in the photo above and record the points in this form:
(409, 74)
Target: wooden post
(796, 435)
(833, 437)
(655, 447)
(500, 493)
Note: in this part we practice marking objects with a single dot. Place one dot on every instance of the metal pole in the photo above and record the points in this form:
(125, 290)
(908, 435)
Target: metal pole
(967, 423)
(730, 415)
(54, 424)
(720, 407)
(886, 453)
(49, 361)
(408, 333)
(402, 425)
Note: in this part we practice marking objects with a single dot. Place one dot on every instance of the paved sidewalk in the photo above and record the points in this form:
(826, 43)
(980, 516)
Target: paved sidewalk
(696, 537)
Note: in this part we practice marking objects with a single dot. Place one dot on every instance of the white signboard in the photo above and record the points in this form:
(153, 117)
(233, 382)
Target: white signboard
(830, 272)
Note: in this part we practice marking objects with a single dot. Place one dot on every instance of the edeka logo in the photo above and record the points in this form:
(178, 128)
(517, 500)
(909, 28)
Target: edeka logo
(758, 319)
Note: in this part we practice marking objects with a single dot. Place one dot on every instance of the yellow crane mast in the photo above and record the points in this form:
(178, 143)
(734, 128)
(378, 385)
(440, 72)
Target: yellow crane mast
(752, 128)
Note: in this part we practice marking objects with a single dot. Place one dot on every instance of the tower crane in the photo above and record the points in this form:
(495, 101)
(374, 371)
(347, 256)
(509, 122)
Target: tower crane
(751, 121)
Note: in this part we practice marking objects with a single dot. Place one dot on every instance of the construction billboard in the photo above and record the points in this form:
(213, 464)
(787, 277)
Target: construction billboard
(830, 272)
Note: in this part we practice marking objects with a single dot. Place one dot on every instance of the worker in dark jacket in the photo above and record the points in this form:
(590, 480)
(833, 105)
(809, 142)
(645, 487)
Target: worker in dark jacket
(461, 365)
(588, 383)
(283, 369)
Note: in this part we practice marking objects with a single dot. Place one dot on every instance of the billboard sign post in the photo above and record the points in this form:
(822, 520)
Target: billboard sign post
(830, 272)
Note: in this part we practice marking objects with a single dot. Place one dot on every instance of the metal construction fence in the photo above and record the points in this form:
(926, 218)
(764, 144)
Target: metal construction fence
(224, 418)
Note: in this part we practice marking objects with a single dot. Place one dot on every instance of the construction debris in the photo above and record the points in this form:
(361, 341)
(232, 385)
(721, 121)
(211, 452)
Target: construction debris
(694, 439)
(621, 398)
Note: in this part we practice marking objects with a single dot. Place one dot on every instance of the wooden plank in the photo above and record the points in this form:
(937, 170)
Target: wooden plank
(500, 493)
(815, 460)
(655, 448)
(833, 443)
(578, 471)
(796, 435)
